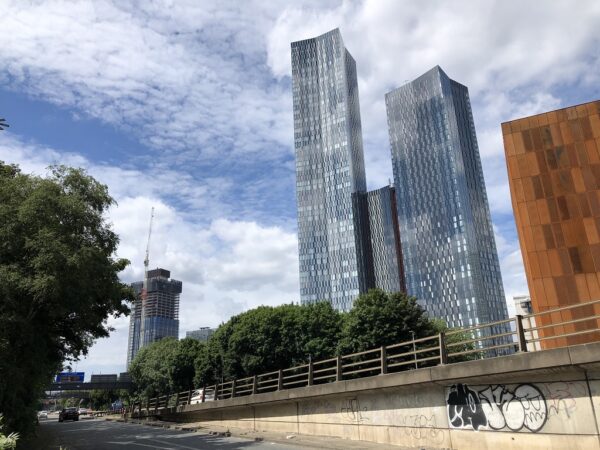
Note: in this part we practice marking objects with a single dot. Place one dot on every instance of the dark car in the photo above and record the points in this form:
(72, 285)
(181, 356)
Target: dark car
(68, 414)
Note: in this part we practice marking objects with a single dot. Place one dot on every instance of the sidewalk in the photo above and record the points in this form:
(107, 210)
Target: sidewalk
(322, 442)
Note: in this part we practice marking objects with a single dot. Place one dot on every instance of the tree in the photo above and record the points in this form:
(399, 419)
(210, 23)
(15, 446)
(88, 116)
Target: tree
(378, 318)
(58, 280)
(183, 369)
(152, 368)
(268, 338)
(461, 336)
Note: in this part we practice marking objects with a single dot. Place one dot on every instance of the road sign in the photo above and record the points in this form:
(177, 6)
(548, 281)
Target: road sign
(70, 377)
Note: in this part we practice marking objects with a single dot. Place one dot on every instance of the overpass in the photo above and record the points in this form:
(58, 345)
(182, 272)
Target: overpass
(424, 397)
(89, 386)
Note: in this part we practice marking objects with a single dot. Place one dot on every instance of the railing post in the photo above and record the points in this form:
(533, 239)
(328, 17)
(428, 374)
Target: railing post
(254, 384)
(521, 333)
(177, 400)
(156, 404)
(147, 406)
(233, 388)
(338, 368)
(280, 380)
(216, 392)
(443, 352)
(203, 397)
(310, 373)
(189, 397)
(383, 360)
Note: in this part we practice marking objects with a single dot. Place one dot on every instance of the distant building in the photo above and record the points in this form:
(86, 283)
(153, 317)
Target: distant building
(523, 307)
(448, 248)
(553, 161)
(378, 240)
(156, 316)
(202, 334)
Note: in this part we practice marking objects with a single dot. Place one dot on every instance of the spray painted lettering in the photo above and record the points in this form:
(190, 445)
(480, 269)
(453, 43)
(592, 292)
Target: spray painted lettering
(497, 407)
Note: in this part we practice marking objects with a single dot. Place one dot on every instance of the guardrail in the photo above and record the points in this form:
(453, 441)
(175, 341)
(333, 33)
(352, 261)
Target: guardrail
(517, 334)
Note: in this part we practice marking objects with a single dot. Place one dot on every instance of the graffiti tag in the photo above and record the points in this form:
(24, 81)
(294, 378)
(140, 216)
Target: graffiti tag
(497, 407)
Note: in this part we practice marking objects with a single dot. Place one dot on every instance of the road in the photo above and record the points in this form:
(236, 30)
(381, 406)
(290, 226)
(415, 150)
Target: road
(98, 434)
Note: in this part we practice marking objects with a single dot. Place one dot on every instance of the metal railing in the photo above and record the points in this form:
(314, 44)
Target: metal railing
(517, 334)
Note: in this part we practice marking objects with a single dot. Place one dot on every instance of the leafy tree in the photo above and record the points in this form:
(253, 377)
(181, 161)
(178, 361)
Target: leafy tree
(454, 338)
(379, 318)
(267, 338)
(58, 280)
(151, 370)
(183, 370)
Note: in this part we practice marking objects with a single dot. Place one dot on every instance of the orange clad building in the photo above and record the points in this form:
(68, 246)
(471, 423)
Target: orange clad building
(554, 174)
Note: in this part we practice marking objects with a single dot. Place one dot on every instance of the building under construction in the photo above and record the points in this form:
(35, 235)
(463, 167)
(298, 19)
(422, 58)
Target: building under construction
(155, 312)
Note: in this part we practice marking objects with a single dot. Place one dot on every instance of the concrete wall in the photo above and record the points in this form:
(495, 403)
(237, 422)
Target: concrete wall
(543, 400)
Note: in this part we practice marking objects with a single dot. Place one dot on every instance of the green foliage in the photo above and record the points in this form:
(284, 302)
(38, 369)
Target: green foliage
(7, 442)
(58, 280)
(151, 370)
(267, 338)
(457, 336)
(378, 318)
(101, 399)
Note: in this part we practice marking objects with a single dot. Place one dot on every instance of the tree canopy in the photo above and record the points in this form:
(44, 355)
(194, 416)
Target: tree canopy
(58, 280)
(378, 318)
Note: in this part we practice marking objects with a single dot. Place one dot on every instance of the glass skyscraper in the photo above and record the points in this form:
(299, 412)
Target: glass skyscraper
(448, 247)
(329, 167)
(378, 240)
(157, 315)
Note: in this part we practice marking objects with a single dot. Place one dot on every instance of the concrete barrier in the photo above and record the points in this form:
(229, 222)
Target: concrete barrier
(543, 400)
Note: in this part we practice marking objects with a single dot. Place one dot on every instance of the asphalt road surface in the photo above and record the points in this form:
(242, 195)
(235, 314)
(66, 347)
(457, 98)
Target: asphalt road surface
(98, 434)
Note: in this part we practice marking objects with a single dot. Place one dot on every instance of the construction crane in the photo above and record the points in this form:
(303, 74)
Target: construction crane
(144, 292)
(147, 259)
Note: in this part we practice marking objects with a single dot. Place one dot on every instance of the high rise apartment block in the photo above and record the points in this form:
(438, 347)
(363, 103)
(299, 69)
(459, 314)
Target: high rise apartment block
(378, 240)
(329, 168)
(448, 247)
(155, 313)
(553, 163)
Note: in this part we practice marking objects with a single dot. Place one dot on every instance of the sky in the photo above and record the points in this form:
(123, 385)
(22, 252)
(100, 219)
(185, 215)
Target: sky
(187, 106)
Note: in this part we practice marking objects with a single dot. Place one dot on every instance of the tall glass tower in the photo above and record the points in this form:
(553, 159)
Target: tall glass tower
(329, 167)
(448, 247)
(157, 315)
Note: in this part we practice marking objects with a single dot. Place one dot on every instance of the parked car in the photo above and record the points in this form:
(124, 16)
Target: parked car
(197, 396)
(83, 412)
(68, 414)
(42, 414)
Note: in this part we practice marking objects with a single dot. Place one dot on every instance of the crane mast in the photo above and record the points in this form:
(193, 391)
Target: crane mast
(144, 292)
(147, 259)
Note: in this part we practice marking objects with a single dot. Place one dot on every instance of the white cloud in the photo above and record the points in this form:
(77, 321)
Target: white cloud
(227, 266)
(206, 86)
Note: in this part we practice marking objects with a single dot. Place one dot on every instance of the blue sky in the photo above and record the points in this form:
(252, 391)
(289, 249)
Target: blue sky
(186, 106)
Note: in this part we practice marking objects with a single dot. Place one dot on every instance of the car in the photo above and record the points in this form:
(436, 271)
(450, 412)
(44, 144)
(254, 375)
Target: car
(197, 396)
(83, 412)
(68, 414)
(42, 414)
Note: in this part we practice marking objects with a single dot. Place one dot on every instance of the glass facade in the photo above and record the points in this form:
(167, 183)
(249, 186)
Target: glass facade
(448, 247)
(329, 167)
(157, 315)
(378, 240)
